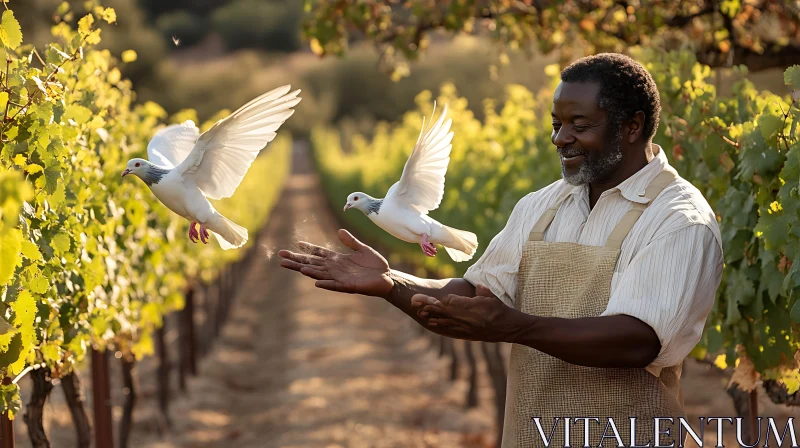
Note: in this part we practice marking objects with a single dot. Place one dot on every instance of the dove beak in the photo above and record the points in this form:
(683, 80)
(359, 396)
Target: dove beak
(126, 172)
(346, 207)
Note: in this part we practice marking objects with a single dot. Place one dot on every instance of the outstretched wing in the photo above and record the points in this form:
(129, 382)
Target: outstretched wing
(224, 153)
(422, 184)
(170, 146)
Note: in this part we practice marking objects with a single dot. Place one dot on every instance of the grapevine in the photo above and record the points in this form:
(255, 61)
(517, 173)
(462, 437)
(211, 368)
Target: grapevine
(87, 260)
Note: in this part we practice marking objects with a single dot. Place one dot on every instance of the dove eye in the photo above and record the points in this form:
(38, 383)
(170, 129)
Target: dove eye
(137, 164)
(355, 198)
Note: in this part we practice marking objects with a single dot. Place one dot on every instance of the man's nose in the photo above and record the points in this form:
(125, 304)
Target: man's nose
(562, 137)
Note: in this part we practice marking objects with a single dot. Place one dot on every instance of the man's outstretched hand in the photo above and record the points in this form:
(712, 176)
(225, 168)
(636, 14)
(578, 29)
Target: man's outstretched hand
(480, 318)
(364, 271)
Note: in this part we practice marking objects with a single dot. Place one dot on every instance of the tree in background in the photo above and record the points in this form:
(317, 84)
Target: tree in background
(760, 34)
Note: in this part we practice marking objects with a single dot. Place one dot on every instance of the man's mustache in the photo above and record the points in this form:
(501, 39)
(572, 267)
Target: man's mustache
(571, 152)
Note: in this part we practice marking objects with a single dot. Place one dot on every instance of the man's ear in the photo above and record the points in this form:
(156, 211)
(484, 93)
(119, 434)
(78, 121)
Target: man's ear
(635, 127)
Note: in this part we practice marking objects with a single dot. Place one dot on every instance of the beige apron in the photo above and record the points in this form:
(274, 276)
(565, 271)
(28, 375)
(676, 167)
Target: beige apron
(570, 280)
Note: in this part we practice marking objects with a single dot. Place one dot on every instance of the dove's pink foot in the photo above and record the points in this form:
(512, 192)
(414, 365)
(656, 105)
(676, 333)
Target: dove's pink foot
(203, 234)
(427, 247)
(193, 235)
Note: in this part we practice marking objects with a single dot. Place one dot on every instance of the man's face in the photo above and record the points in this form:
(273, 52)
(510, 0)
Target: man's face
(589, 145)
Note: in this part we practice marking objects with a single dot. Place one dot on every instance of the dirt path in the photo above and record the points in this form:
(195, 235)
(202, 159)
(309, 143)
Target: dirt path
(296, 366)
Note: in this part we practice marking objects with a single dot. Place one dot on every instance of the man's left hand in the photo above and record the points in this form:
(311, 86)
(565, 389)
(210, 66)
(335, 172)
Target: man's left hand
(480, 318)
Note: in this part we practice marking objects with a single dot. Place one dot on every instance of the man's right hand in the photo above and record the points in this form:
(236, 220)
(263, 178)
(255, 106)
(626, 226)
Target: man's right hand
(364, 271)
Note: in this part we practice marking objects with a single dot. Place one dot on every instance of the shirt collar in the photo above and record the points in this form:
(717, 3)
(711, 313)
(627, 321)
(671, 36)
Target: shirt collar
(633, 188)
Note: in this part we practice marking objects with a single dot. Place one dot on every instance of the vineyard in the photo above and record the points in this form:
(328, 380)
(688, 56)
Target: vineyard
(93, 266)
(90, 262)
(742, 152)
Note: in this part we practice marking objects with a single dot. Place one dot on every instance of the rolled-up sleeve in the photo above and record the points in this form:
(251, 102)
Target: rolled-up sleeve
(498, 266)
(671, 285)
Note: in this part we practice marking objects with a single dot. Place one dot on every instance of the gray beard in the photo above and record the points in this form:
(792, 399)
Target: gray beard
(596, 166)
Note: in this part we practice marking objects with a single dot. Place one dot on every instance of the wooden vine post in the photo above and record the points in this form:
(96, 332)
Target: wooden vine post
(101, 397)
(6, 425)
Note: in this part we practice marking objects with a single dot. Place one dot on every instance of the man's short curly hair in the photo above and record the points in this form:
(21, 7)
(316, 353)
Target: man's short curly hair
(625, 88)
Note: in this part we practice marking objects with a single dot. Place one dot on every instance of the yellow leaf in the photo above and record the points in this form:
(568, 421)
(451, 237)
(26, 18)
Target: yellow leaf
(551, 70)
(128, 56)
(19, 160)
(10, 31)
(10, 247)
(94, 37)
(109, 15)
(33, 168)
(114, 76)
(85, 25)
(317, 48)
(31, 251)
(720, 362)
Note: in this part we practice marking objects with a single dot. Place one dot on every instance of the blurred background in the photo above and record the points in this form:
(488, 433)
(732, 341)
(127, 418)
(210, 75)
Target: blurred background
(212, 55)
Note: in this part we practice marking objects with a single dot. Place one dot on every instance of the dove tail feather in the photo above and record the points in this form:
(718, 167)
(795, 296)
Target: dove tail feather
(229, 234)
(459, 244)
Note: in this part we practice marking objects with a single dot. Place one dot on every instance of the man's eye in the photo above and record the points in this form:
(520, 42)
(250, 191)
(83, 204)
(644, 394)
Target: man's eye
(581, 128)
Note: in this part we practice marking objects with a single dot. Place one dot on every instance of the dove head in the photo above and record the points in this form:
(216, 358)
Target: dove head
(359, 200)
(144, 170)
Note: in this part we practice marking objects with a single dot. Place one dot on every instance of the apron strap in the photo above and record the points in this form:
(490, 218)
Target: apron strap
(629, 219)
(537, 233)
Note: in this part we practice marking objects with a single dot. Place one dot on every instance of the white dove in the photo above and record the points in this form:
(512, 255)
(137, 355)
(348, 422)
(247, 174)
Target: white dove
(403, 213)
(187, 168)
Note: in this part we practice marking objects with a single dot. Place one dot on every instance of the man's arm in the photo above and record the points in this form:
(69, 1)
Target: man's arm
(655, 315)
(406, 286)
(608, 341)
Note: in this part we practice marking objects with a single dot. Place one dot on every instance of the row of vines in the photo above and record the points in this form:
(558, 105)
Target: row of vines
(742, 151)
(90, 261)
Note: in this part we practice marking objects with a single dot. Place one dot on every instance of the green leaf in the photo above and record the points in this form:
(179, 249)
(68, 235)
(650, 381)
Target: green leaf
(10, 31)
(94, 273)
(51, 176)
(10, 254)
(741, 290)
(11, 354)
(58, 196)
(12, 403)
(795, 313)
(76, 112)
(39, 284)
(31, 251)
(60, 243)
(5, 327)
(769, 125)
(791, 77)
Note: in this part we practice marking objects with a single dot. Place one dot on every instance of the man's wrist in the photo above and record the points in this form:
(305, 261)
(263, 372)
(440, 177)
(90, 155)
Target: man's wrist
(393, 292)
(519, 328)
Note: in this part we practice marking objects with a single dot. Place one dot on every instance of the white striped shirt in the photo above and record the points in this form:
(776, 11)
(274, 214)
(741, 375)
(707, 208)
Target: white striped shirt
(670, 263)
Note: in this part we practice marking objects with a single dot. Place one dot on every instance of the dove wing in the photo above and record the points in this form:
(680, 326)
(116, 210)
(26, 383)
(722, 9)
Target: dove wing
(223, 154)
(421, 185)
(170, 146)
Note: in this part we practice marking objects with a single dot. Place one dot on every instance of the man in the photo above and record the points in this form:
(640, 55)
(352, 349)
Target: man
(602, 280)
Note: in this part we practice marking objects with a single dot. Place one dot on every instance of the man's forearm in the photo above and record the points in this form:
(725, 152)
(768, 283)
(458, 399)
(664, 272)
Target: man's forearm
(606, 341)
(406, 285)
